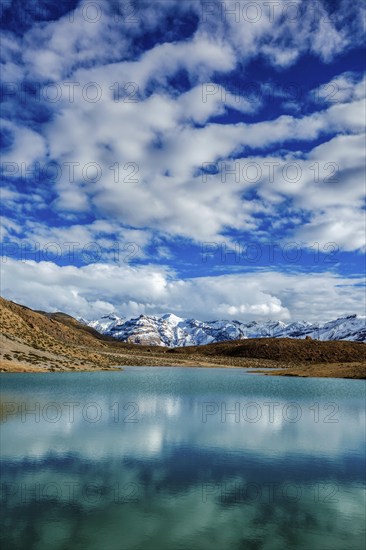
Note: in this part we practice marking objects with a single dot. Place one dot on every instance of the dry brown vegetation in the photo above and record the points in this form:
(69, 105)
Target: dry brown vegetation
(35, 341)
(284, 349)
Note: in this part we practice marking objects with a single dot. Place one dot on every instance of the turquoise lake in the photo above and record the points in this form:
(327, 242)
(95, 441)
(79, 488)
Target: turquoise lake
(181, 459)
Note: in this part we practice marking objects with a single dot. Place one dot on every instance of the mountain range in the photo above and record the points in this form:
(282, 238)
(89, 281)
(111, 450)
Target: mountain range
(40, 341)
(171, 331)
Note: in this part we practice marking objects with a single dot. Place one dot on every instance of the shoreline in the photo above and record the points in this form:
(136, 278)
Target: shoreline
(351, 371)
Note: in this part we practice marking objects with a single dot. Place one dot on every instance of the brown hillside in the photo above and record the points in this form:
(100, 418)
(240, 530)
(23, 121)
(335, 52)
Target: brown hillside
(33, 326)
(284, 349)
(35, 339)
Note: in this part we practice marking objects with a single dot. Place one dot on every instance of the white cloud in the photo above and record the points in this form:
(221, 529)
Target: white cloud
(28, 147)
(91, 290)
(283, 31)
(341, 89)
(166, 136)
(165, 194)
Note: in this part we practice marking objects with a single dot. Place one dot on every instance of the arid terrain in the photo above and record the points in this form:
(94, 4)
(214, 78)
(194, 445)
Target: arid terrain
(34, 341)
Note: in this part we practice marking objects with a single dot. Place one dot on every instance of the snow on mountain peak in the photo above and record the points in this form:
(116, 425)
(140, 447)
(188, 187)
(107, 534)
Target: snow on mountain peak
(173, 331)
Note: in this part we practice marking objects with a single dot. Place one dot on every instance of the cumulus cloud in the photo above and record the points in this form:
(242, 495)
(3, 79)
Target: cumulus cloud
(27, 147)
(165, 110)
(96, 289)
(158, 186)
(343, 88)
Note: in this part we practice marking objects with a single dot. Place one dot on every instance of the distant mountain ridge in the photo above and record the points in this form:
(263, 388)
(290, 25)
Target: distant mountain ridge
(171, 331)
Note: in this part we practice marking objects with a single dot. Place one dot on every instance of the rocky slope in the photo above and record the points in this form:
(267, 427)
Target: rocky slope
(172, 331)
(33, 339)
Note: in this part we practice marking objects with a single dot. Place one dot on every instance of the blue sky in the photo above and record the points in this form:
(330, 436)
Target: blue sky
(201, 158)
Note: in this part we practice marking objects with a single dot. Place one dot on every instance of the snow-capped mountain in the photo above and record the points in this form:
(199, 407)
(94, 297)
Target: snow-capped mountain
(172, 331)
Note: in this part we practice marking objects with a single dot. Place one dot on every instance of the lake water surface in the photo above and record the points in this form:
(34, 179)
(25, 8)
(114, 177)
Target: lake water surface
(181, 459)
